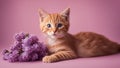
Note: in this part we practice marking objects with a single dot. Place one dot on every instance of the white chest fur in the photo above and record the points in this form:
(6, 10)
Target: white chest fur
(53, 41)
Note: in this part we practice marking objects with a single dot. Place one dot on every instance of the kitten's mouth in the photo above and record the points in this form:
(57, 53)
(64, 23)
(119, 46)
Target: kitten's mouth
(58, 35)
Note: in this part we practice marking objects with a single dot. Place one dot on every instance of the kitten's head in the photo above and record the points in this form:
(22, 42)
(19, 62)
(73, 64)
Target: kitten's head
(56, 24)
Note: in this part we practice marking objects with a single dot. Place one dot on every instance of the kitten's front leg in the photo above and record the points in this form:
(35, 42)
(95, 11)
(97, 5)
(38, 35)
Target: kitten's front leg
(61, 55)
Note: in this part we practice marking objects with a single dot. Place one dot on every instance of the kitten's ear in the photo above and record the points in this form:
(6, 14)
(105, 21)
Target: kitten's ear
(42, 14)
(65, 13)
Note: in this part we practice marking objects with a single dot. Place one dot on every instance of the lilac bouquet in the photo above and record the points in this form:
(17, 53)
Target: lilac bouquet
(26, 48)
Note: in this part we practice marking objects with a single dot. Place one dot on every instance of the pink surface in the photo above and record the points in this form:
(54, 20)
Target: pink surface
(101, 16)
(98, 62)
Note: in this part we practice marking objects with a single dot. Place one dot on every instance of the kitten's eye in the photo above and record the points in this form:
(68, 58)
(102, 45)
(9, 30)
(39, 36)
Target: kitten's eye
(59, 25)
(48, 25)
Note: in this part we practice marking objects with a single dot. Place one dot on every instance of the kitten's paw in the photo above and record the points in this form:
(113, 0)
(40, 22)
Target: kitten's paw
(49, 59)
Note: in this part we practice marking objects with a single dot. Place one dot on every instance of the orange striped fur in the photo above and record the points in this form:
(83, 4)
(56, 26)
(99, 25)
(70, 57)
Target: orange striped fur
(63, 46)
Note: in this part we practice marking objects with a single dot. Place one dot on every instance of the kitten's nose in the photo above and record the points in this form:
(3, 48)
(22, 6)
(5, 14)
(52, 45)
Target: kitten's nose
(55, 31)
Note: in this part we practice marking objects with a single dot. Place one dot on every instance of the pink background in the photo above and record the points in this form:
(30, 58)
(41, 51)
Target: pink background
(100, 16)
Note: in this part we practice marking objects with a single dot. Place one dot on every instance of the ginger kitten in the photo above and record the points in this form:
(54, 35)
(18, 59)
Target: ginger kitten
(62, 45)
